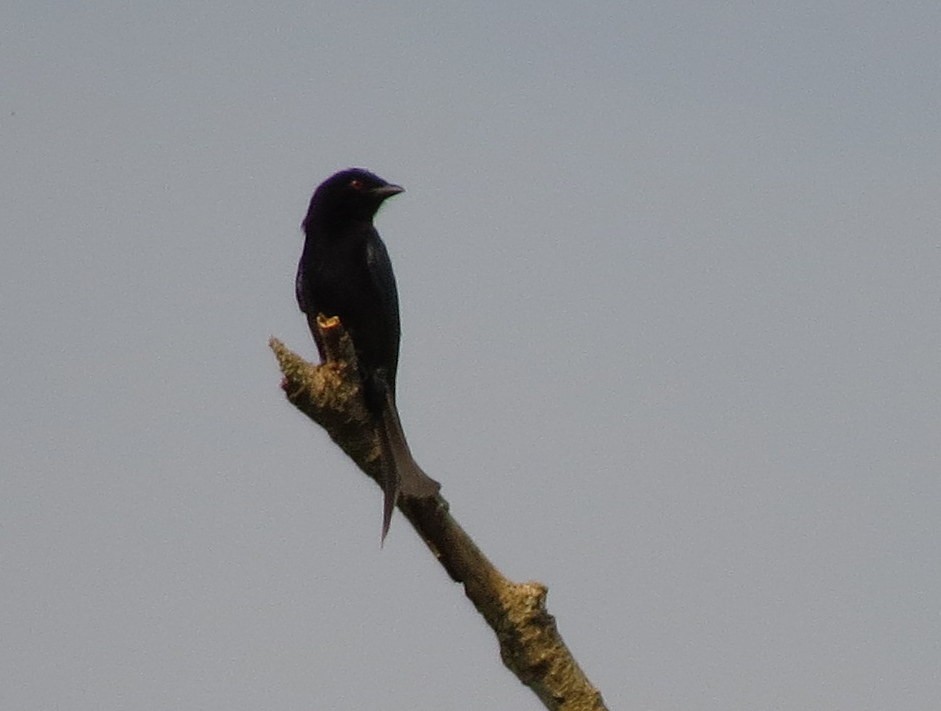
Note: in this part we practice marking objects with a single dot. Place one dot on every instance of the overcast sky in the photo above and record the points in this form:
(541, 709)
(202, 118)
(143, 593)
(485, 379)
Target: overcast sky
(669, 279)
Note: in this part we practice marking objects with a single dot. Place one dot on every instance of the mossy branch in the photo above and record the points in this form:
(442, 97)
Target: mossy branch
(530, 644)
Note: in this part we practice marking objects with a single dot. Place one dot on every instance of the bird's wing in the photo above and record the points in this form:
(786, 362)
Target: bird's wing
(299, 286)
(379, 267)
(380, 273)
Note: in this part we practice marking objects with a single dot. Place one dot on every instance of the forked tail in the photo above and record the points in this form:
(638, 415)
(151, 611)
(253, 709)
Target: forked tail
(401, 473)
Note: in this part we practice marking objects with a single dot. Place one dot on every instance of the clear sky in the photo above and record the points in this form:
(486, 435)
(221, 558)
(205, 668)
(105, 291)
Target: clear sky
(669, 276)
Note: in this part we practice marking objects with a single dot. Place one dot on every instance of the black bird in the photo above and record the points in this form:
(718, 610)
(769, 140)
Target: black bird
(345, 271)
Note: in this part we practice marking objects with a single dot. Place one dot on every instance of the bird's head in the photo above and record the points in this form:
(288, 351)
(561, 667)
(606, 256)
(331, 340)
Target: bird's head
(352, 194)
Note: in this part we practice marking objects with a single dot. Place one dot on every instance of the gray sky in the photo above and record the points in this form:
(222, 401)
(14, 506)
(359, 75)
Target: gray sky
(670, 295)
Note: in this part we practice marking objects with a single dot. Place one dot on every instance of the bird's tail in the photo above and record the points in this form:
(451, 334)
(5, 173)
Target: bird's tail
(401, 473)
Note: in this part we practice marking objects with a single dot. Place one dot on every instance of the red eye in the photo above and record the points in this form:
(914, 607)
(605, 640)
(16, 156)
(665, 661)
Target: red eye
(356, 184)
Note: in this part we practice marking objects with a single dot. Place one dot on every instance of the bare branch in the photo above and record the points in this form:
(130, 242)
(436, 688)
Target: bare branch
(530, 644)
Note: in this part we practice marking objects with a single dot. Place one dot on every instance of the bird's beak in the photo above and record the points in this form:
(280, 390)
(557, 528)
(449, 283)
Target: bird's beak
(387, 191)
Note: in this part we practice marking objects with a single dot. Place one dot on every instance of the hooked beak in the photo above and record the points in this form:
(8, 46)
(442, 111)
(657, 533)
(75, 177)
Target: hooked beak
(387, 191)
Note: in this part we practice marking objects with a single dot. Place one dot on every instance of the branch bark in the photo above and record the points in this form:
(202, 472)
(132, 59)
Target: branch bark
(530, 644)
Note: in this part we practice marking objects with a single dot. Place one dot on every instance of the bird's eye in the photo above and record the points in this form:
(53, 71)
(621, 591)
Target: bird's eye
(356, 184)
